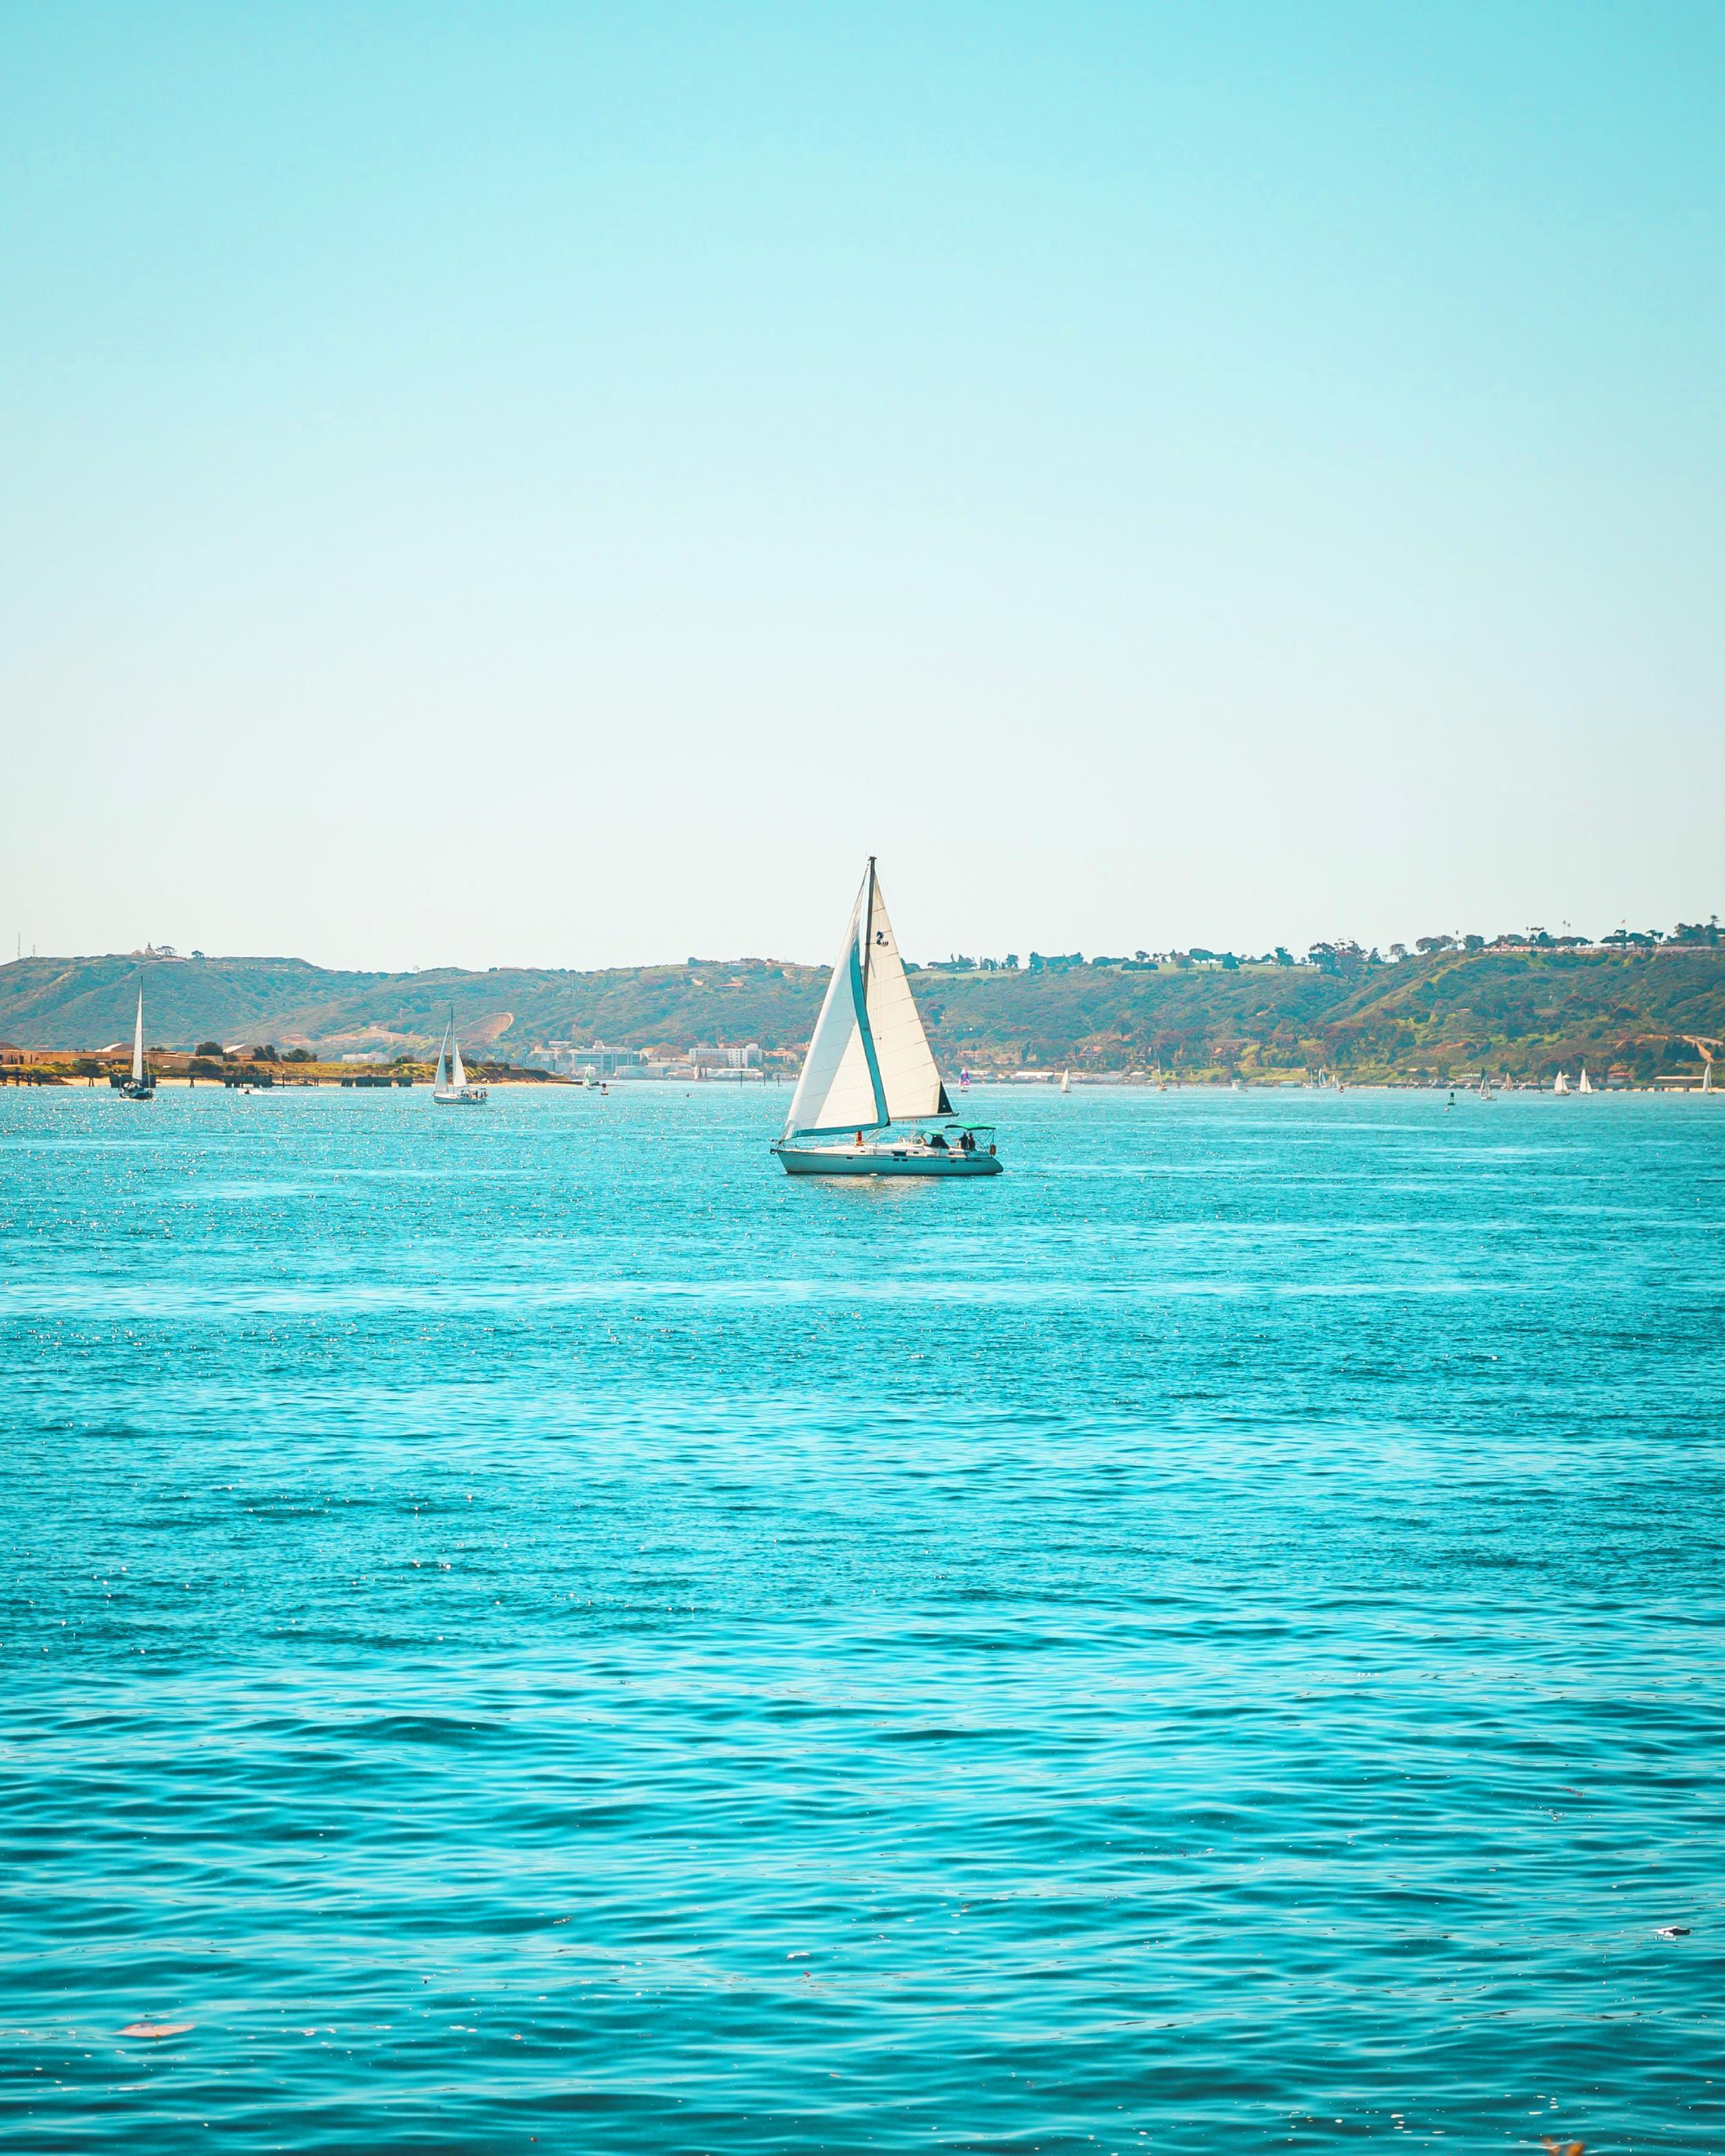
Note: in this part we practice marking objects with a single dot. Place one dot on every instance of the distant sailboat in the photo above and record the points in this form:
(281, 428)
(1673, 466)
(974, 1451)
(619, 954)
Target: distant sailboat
(1560, 1084)
(1584, 1087)
(141, 1084)
(1065, 1081)
(449, 1088)
(869, 1068)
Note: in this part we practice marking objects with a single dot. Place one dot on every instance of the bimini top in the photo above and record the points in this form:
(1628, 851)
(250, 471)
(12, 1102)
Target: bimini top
(868, 1064)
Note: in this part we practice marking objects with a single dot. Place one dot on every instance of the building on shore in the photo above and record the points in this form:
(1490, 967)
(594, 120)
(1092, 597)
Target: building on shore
(569, 1061)
(707, 1060)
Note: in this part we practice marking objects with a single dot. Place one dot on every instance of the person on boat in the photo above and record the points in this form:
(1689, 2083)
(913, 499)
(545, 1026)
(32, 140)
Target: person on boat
(966, 1143)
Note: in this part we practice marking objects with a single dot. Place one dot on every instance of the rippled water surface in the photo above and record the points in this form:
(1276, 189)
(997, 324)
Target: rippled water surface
(528, 1628)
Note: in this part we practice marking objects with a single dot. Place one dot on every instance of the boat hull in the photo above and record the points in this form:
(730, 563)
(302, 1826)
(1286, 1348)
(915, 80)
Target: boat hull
(470, 1096)
(884, 1160)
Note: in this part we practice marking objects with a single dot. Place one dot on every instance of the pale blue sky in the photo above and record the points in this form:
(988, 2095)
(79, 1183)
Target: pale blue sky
(560, 484)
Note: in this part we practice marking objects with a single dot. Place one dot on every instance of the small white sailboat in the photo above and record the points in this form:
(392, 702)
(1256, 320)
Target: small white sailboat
(1065, 1081)
(1560, 1084)
(449, 1088)
(870, 1070)
(1585, 1086)
(141, 1084)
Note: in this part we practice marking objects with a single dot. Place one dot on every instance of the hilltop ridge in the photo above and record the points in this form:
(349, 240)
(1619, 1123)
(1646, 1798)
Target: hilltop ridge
(1519, 1011)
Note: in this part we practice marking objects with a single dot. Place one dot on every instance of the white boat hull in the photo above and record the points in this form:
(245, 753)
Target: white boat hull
(464, 1096)
(884, 1160)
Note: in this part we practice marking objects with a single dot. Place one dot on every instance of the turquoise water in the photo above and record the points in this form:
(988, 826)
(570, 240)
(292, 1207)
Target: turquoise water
(529, 1628)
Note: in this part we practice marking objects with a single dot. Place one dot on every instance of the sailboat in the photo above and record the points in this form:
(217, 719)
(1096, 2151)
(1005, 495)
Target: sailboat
(869, 1069)
(141, 1084)
(1560, 1084)
(1584, 1087)
(449, 1088)
(1065, 1081)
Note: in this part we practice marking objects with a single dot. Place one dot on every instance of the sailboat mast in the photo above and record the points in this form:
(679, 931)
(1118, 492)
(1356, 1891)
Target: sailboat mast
(137, 1041)
(869, 924)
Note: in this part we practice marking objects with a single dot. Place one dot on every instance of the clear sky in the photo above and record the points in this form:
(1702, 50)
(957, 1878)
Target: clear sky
(560, 484)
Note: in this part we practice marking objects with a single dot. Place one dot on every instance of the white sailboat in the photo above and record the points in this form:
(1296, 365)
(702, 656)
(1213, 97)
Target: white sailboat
(141, 1084)
(1560, 1084)
(869, 1068)
(1065, 1081)
(449, 1088)
(1585, 1086)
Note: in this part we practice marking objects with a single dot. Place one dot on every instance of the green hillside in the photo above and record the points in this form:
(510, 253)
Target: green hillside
(1519, 1011)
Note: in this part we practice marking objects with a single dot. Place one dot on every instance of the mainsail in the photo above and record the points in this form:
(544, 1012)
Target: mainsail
(458, 1076)
(137, 1043)
(868, 1064)
(442, 1078)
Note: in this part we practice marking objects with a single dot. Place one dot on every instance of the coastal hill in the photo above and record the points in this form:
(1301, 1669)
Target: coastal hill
(1519, 1011)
